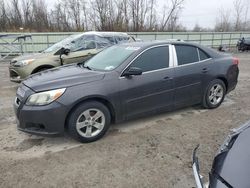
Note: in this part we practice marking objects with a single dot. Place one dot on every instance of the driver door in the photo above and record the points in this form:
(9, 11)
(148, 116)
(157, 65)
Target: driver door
(154, 89)
(81, 50)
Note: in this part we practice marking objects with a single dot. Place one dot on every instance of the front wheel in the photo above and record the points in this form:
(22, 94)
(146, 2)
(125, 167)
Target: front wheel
(214, 94)
(89, 121)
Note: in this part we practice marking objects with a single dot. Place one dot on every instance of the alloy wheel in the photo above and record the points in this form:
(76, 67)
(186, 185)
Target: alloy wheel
(90, 123)
(216, 94)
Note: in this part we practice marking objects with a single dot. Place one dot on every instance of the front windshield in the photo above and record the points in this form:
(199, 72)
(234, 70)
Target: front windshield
(80, 42)
(63, 43)
(111, 58)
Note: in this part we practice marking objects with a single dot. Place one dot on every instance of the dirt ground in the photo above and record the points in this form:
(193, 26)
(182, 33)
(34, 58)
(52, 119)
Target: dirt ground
(149, 152)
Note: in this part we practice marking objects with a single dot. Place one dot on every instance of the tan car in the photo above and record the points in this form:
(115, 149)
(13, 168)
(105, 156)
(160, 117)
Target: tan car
(75, 48)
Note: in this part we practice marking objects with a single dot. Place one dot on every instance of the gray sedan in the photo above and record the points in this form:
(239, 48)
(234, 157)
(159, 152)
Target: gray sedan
(123, 82)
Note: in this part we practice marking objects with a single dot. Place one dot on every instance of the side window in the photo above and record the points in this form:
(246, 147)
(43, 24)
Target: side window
(186, 54)
(100, 45)
(83, 43)
(203, 55)
(153, 59)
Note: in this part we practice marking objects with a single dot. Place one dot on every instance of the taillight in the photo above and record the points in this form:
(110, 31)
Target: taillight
(236, 61)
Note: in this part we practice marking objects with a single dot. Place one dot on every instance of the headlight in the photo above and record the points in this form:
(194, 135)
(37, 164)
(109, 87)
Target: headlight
(23, 62)
(44, 98)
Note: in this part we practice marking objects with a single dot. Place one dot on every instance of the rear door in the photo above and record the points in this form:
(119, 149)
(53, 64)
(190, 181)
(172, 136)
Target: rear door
(193, 66)
(154, 89)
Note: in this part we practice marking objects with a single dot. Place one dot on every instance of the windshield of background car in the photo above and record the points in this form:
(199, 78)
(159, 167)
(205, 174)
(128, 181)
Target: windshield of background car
(79, 43)
(62, 43)
(111, 58)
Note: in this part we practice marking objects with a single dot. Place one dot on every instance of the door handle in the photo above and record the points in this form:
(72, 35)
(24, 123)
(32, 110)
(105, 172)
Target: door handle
(166, 78)
(205, 70)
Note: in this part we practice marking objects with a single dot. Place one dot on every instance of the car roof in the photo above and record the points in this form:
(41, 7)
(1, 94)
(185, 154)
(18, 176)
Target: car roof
(143, 45)
(156, 43)
(101, 34)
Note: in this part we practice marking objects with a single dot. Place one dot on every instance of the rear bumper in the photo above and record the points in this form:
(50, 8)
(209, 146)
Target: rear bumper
(232, 77)
(41, 120)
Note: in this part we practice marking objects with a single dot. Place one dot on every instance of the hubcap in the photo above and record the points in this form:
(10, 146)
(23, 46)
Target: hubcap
(216, 94)
(90, 123)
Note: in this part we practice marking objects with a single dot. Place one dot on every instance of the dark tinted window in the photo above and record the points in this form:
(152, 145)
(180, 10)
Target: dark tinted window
(186, 54)
(203, 55)
(153, 59)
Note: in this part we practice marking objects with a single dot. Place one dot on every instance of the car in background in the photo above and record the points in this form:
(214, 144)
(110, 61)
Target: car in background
(243, 44)
(73, 49)
(123, 82)
(231, 165)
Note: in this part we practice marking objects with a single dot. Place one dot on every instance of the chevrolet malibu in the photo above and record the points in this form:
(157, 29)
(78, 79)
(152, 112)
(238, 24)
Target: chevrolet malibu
(120, 83)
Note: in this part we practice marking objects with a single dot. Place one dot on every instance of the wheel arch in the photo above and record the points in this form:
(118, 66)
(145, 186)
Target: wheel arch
(100, 99)
(42, 67)
(222, 78)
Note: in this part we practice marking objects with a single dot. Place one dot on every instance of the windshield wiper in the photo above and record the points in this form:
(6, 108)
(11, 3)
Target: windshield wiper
(87, 67)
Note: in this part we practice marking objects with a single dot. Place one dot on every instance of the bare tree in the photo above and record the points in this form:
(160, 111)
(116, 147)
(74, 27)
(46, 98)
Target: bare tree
(223, 21)
(27, 13)
(170, 16)
(40, 15)
(82, 15)
(3, 17)
(60, 18)
(15, 14)
(239, 8)
(152, 15)
(139, 10)
(85, 15)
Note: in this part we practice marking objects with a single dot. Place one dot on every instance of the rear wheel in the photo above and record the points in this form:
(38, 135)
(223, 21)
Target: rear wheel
(214, 94)
(89, 121)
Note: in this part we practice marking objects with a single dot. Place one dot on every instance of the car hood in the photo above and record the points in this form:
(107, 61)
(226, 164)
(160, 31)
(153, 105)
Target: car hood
(62, 77)
(232, 162)
(31, 56)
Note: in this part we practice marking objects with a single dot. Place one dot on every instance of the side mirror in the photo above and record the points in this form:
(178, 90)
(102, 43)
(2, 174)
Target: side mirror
(66, 51)
(132, 71)
(62, 51)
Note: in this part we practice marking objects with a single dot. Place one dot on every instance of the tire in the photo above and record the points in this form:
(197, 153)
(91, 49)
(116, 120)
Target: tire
(214, 94)
(41, 69)
(89, 121)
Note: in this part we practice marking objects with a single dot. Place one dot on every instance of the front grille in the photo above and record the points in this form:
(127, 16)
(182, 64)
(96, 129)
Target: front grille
(13, 74)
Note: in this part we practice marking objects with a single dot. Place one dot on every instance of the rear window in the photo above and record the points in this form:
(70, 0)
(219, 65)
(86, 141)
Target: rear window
(186, 54)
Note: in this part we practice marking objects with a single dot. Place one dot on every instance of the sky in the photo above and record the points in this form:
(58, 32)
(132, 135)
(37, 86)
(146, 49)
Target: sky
(202, 12)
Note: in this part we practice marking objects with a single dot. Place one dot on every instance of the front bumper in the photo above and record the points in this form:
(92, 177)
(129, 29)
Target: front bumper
(18, 74)
(40, 120)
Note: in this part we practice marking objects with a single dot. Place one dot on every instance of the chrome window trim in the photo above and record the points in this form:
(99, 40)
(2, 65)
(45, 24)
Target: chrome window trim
(176, 60)
(171, 65)
(198, 52)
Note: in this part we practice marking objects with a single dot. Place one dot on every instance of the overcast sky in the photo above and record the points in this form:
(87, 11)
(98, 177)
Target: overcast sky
(202, 12)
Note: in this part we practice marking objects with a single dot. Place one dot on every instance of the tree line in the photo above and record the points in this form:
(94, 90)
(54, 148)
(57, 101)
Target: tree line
(236, 18)
(112, 15)
(84, 15)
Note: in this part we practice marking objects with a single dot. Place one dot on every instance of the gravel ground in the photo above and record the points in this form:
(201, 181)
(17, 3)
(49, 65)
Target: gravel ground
(148, 152)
